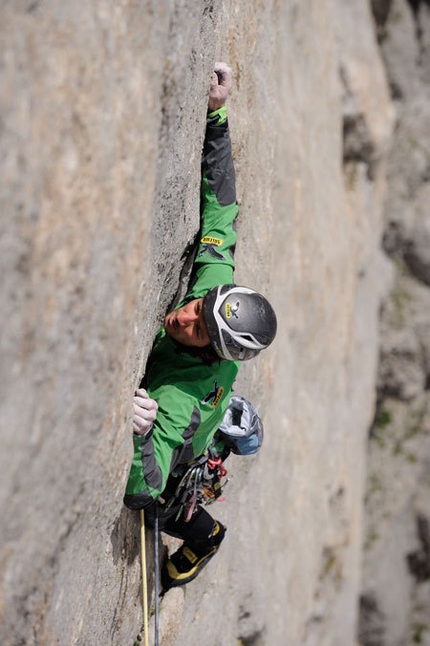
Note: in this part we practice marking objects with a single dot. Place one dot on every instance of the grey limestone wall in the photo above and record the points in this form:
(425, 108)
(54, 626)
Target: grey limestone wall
(102, 116)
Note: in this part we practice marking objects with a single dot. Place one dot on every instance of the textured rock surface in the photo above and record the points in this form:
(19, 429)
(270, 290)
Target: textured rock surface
(395, 602)
(103, 108)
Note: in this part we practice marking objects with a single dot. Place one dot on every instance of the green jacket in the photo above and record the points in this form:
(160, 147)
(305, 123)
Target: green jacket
(192, 396)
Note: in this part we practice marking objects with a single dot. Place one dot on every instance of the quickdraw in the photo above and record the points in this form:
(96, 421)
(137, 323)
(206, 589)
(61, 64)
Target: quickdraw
(200, 484)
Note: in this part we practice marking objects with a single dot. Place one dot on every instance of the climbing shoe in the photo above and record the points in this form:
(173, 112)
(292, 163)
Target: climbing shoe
(186, 563)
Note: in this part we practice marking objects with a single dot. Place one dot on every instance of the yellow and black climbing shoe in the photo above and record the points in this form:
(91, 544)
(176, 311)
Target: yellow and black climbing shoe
(186, 563)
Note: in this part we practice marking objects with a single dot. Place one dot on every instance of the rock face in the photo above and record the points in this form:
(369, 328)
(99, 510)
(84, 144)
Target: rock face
(102, 120)
(395, 601)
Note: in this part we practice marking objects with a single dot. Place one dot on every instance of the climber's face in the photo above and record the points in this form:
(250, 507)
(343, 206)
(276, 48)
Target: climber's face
(187, 325)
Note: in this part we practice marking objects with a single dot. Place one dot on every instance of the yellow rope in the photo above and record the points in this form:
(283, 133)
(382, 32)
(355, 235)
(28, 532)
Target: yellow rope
(144, 578)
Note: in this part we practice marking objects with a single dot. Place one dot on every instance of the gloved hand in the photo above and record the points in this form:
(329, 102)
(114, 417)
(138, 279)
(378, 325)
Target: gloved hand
(220, 86)
(145, 412)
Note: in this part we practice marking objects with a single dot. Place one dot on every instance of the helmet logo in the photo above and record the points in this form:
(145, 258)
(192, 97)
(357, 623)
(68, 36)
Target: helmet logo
(232, 310)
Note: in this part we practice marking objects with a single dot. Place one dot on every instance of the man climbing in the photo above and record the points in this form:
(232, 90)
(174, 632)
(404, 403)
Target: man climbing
(185, 395)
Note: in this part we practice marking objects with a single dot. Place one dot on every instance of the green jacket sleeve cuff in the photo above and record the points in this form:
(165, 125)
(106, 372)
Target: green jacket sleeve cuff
(222, 114)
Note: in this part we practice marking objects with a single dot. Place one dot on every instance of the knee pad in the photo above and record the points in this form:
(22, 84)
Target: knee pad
(217, 535)
(200, 531)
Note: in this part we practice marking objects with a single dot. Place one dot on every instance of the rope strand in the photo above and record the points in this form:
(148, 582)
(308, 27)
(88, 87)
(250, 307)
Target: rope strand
(144, 578)
(156, 568)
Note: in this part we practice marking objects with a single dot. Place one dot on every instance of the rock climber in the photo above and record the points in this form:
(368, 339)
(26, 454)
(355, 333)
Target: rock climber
(184, 412)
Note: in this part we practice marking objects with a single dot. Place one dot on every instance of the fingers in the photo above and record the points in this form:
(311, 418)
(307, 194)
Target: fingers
(220, 86)
(223, 74)
(222, 68)
(137, 428)
(144, 411)
(142, 398)
(141, 392)
(148, 414)
(141, 425)
(147, 403)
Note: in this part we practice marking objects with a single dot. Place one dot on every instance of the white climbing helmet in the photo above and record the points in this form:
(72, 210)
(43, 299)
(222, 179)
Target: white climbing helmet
(240, 321)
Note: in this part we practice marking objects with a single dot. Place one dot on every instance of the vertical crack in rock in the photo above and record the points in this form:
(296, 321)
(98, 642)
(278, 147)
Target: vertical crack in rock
(371, 622)
(358, 145)
(417, 6)
(419, 560)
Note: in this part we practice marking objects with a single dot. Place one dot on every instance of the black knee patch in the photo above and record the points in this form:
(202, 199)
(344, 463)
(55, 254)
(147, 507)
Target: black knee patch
(217, 535)
(200, 532)
(138, 500)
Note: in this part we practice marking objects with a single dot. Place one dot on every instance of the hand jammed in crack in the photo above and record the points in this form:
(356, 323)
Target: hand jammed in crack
(220, 86)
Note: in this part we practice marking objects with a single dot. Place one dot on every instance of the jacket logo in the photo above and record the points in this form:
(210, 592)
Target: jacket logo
(214, 396)
(211, 240)
(211, 250)
(232, 310)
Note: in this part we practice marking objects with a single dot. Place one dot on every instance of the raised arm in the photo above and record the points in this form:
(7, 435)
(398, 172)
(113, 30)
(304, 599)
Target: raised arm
(214, 263)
